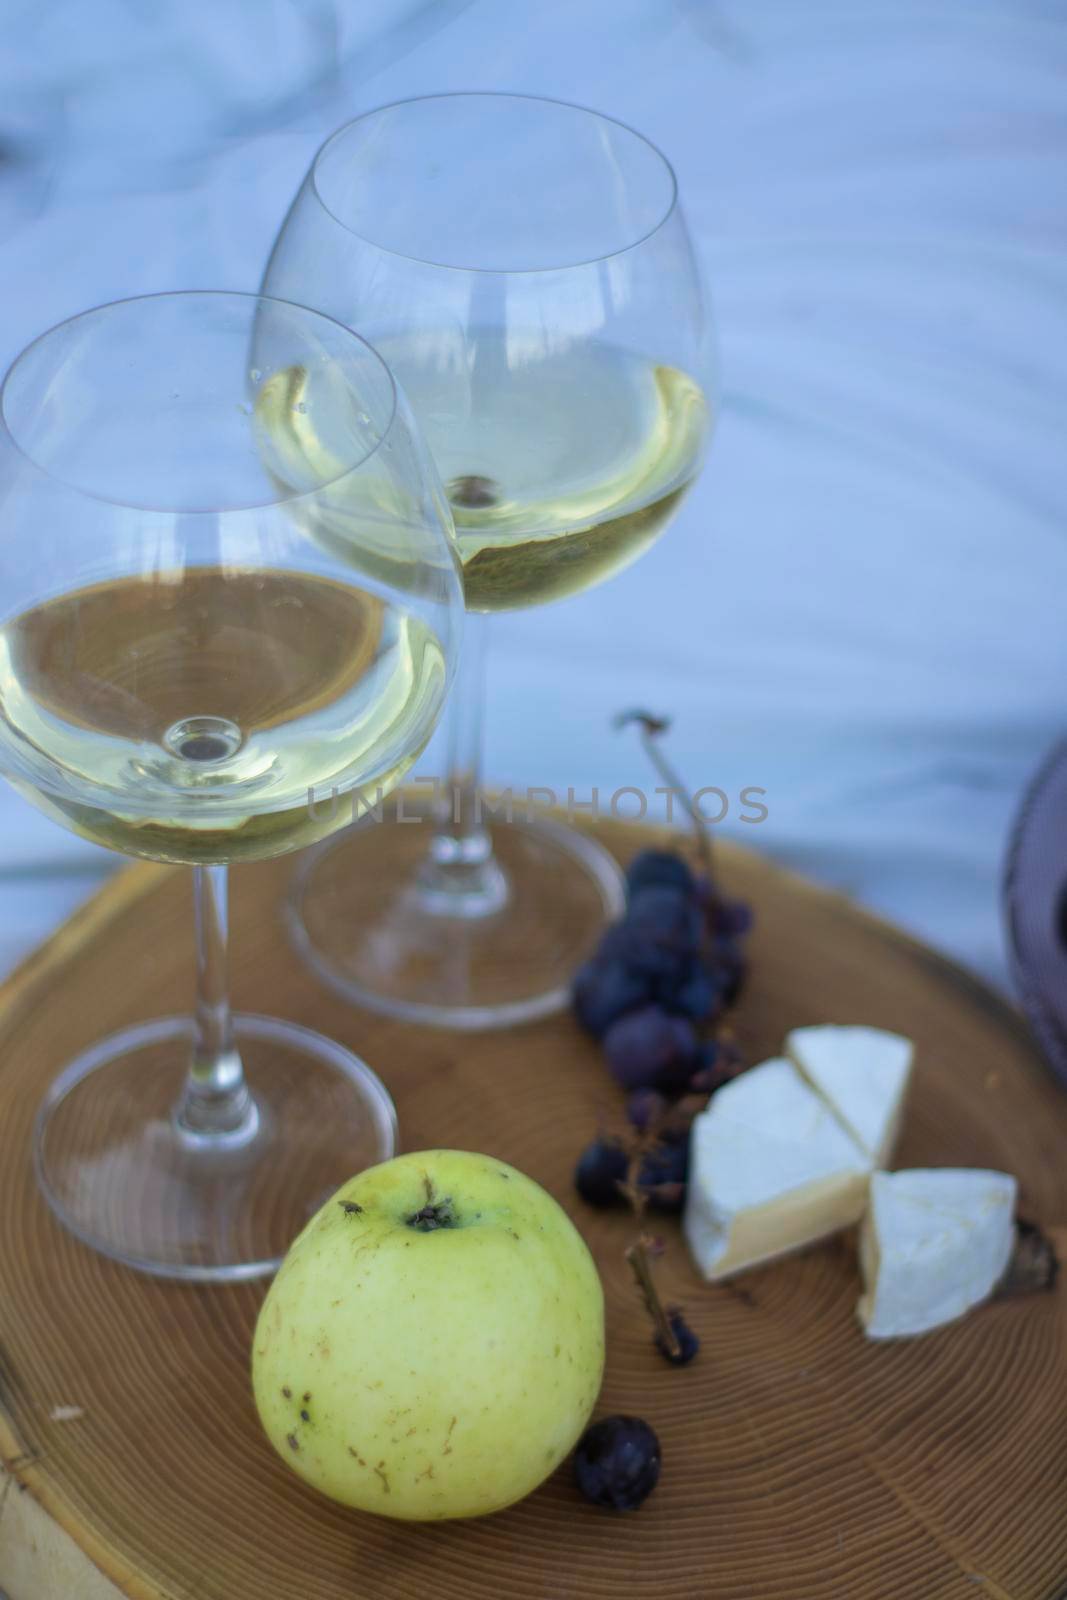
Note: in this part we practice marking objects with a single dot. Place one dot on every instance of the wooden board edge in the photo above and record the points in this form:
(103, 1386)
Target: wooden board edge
(40, 1559)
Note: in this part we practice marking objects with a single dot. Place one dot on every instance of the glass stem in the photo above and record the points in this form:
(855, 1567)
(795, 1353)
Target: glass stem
(215, 1104)
(460, 876)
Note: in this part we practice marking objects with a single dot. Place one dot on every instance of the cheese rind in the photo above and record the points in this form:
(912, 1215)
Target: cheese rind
(771, 1170)
(863, 1074)
(934, 1243)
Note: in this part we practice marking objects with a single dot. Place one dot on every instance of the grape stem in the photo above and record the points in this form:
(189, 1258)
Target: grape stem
(641, 1267)
(651, 727)
(640, 1259)
(639, 1253)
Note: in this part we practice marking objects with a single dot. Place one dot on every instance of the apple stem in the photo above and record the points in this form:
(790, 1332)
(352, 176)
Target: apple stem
(641, 1266)
(433, 1215)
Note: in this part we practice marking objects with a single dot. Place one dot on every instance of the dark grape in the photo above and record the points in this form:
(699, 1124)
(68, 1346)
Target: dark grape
(728, 962)
(719, 1062)
(664, 1171)
(650, 1049)
(661, 869)
(708, 1073)
(602, 1166)
(732, 918)
(668, 1160)
(688, 1343)
(605, 990)
(653, 960)
(709, 1053)
(644, 1107)
(694, 991)
(666, 916)
(617, 1462)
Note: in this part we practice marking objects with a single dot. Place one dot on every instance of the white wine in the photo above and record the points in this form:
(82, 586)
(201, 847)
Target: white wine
(561, 468)
(209, 715)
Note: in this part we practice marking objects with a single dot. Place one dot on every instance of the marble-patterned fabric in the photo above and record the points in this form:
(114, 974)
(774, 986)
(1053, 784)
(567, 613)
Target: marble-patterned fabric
(859, 609)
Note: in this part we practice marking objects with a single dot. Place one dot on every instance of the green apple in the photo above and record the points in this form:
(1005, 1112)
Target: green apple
(433, 1344)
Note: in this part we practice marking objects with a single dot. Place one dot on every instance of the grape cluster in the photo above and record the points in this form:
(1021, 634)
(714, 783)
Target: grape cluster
(672, 966)
(674, 961)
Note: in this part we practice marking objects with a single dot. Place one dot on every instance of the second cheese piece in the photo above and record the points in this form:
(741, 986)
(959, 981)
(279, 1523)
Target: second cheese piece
(771, 1170)
(863, 1073)
(934, 1244)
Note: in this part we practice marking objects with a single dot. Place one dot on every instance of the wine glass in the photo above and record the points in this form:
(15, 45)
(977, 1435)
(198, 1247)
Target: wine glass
(212, 650)
(525, 269)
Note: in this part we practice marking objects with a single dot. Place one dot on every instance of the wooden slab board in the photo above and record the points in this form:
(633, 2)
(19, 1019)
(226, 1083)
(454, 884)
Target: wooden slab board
(799, 1461)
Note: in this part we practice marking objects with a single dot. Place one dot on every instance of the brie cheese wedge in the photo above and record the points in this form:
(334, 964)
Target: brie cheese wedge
(771, 1170)
(863, 1074)
(935, 1242)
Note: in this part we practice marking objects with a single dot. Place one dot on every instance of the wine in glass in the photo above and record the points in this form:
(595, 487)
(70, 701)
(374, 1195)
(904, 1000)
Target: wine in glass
(525, 269)
(198, 665)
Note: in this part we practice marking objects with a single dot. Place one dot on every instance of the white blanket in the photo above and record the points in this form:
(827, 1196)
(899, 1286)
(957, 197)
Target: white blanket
(860, 608)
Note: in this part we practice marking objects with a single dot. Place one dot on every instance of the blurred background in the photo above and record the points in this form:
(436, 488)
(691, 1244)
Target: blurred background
(860, 608)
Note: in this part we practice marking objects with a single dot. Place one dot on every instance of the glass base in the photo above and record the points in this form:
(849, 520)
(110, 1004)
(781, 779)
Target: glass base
(124, 1178)
(373, 922)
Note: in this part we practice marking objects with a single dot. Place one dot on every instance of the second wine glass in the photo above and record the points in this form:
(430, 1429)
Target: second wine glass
(525, 267)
